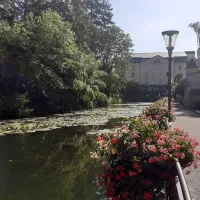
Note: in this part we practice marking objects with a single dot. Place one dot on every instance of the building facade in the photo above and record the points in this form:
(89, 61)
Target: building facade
(192, 84)
(150, 70)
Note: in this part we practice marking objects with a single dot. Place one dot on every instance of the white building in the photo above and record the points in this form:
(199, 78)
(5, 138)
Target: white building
(151, 69)
(192, 85)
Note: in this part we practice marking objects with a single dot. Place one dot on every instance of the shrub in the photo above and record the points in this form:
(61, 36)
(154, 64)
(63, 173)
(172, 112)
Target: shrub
(138, 159)
(14, 106)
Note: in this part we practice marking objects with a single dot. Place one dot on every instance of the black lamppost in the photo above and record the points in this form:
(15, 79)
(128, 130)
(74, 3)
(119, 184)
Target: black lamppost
(170, 39)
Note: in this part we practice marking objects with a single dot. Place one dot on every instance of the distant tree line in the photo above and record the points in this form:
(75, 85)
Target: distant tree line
(59, 55)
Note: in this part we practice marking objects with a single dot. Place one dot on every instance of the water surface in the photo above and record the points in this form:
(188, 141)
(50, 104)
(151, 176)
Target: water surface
(56, 164)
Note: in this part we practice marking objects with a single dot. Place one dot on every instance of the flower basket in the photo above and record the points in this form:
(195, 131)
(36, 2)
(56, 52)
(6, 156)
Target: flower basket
(138, 159)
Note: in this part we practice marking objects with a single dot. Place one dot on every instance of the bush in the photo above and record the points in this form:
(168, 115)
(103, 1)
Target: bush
(14, 106)
(101, 100)
(115, 100)
(138, 159)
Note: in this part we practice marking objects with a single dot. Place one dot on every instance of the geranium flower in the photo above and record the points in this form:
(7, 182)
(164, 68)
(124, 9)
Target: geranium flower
(134, 144)
(114, 141)
(132, 173)
(120, 168)
(98, 138)
(151, 148)
(148, 182)
(147, 195)
(122, 174)
(124, 195)
(163, 150)
(118, 177)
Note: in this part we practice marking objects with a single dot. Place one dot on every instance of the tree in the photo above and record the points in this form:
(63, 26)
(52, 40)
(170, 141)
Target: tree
(178, 85)
(196, 27)
(43, 49)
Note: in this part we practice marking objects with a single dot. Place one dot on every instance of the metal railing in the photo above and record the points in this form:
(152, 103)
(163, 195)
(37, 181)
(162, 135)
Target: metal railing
(182, 191)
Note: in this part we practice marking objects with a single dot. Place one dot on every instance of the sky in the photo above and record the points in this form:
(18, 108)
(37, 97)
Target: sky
(144, 20)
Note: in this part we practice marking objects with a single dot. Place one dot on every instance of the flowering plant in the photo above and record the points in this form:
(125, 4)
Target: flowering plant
(159, 112)
(138, 159)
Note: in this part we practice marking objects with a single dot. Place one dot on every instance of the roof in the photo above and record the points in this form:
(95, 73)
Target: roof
(162, 54)
(193, 63)
(190, 52)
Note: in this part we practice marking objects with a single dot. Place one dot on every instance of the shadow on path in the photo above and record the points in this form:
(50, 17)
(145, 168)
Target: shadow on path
(180, 111)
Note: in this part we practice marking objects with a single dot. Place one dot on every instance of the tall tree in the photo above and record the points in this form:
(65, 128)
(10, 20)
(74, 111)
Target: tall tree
(196, 27)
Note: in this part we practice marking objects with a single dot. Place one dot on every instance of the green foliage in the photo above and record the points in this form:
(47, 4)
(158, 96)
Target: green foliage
(70, 51)
(115, 100)
(14, 106)
(130, 91)
(178, 85)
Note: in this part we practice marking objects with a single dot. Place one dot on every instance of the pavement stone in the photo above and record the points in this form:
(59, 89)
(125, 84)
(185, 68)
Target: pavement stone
(190, 122)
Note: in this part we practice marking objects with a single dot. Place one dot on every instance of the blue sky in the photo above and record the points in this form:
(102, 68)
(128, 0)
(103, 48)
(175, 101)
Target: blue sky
(144, 20)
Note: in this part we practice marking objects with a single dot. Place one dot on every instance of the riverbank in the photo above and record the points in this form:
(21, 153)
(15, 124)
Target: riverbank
(79, 118)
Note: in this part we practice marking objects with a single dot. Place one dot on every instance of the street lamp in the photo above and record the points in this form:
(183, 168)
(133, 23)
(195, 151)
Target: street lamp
(170, 39)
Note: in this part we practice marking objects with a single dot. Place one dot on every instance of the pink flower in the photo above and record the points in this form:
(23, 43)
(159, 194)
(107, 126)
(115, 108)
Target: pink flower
(161, 142)
(177, 147)
(163, 137)
(157, 135)
(164, 150)
(134, 134)
(144, 146)
(151, 148)
(148, 140)
(134, 144)
(187, 172)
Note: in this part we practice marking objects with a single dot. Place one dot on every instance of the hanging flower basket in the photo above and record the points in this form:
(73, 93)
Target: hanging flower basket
(138, 159)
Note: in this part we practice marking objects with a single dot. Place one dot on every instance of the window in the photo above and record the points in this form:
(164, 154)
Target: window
(160, 74)
(133, 74)
(160, 81)
(133, 67)
(180, 67)
(146, 74)
(153, 74)
(167, 74)
(153, 80)
(146, 81)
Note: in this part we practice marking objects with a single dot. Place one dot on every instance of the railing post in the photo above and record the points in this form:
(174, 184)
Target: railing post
(184, 187)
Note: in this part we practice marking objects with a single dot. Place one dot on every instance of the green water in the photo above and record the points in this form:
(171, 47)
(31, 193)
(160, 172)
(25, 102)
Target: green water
(52, 165)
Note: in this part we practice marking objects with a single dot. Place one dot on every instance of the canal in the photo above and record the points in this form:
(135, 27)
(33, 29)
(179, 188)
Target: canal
(55, 164)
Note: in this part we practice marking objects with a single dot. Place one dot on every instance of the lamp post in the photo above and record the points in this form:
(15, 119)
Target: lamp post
(170, 39)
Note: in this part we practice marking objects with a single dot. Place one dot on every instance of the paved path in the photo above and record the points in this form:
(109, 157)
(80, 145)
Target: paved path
(190, 122)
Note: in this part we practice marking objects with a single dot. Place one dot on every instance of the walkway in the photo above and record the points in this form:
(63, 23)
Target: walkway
(190, 122)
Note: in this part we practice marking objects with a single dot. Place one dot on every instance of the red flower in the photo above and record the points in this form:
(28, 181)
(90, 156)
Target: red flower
(122, 174)
(109, 175)
(131, 173)
(115, 198)
(109, 193)
(124, 195)
(117, 177)
(171, 179)
(148, 182)
(151, 160)
(98, 138)
(147, 196)
(114, 141)
(120, 168)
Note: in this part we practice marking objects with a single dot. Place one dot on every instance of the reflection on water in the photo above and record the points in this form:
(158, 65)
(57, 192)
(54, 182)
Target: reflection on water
(53, 165)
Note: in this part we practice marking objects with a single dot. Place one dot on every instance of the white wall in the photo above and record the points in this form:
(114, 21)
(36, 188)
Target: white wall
(154, 71)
